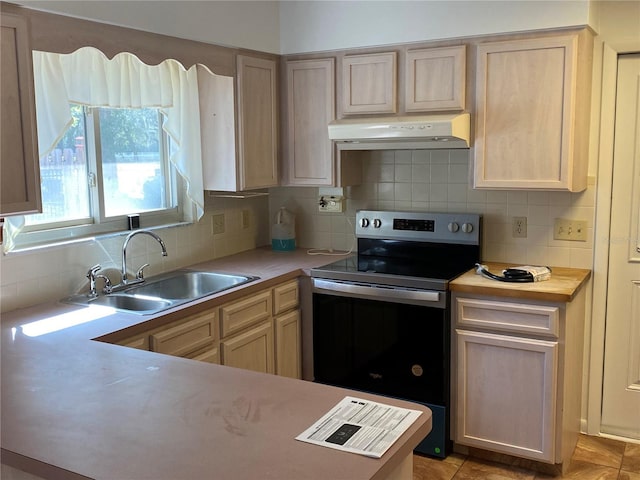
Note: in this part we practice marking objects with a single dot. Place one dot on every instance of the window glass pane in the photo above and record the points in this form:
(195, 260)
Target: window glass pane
(132, 168)
(63, 177)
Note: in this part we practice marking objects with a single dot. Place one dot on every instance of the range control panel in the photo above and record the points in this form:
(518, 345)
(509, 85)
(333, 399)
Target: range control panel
(462, 228)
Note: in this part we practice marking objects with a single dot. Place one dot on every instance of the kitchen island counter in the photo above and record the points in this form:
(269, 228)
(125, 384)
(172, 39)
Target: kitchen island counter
(73, 407)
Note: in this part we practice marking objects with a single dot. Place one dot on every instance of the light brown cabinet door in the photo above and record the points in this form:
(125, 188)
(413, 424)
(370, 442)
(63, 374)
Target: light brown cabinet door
(247, 311)
(288, 344)
(309, 154)
(369, 83)
(257, 122)
(251, 350)
(435, 79)
(532, 114)
(506, 394)
(19, 165)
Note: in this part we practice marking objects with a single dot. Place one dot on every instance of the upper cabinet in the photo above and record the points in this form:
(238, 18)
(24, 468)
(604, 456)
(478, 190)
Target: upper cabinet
(19, 166)
(369, 83)
(257, 122)
(251, 161)
(310, 158)
(310, 102)
(435, 79)
(532, 113)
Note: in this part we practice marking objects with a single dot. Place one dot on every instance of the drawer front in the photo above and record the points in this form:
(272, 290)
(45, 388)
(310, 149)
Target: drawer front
(285, 297)
(141, 343)
(186, 337)
(508, 317)
(209, 354)
(243, 313)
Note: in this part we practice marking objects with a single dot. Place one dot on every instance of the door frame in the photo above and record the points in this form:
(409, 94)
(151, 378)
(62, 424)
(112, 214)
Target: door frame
(601, 241)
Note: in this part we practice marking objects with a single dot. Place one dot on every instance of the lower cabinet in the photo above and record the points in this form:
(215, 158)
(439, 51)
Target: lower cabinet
(259, 332)
(517, 375)
(288, 351)
(507, 392)
(251, 350)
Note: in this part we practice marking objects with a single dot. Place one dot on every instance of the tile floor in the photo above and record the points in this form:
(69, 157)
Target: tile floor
(594, 458)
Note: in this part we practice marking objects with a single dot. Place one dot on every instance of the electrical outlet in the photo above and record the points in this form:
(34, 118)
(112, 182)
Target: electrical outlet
(217, 223)
(572, 230)
(245, 221)
(331, 203)
(519, 227)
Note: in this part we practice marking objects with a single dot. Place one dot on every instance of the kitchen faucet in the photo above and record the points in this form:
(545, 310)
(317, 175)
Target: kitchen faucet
(139, 275)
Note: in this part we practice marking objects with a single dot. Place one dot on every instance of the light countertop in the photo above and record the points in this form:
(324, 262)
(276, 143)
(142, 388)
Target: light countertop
(77, 408)
(563, 285)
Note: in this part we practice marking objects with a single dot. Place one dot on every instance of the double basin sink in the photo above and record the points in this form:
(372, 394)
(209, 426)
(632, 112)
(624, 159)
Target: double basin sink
(165, 291)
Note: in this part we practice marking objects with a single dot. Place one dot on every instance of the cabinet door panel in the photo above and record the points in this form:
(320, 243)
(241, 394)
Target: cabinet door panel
(288, 352)
(251, 350)
(435, 79)
(19, 168)
(530, 114)
(310, 108)
(507, 389)
(257, 127)
(369, 83)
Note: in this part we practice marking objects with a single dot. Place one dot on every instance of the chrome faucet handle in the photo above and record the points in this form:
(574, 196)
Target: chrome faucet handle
(91, 275)
(140, 273)
(107, 284)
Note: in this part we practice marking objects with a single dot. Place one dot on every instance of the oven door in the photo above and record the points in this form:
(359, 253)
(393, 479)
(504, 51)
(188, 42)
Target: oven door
(385, 347)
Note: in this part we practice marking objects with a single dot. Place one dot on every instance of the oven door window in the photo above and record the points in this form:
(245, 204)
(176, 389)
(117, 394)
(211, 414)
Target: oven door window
(387, 348)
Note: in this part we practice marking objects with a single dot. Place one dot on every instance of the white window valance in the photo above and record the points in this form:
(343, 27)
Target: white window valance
(88, 77)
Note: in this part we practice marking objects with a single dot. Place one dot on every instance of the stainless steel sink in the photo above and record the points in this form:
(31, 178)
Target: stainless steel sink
(133, 303)
(189, 285)
(165, 291)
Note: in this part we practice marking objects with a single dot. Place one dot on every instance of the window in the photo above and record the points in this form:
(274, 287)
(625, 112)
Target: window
(111, 162)
(117, 137)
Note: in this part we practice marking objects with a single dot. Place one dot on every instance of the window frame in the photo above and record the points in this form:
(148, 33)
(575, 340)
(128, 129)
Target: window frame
(98, 223)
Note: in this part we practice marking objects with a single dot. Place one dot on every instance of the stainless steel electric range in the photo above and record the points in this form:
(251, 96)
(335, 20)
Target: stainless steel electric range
(382, 318)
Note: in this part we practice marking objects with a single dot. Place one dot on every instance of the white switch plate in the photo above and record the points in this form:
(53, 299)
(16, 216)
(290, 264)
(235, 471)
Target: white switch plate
(572, 230)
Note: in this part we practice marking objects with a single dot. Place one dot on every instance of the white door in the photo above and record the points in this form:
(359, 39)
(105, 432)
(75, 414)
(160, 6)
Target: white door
(621, 384)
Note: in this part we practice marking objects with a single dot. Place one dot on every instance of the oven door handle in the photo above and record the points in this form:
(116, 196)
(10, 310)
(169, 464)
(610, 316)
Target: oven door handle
(379, 293)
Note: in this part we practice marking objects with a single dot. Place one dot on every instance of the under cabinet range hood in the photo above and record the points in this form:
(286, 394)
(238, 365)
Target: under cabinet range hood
(402, 133)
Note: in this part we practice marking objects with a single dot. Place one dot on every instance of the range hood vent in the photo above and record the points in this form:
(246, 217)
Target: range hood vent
(402, 133)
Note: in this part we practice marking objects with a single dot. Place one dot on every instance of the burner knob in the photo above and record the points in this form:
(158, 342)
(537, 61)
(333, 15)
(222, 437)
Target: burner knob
(453, 227)
(364, 222)
(467, 227)
(377, 223)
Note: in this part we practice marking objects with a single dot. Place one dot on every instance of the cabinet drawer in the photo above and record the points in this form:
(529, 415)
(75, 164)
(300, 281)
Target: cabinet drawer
(238, 315)
(140, 342)
(285, 297)
(508, 317)
(189, 336)
(209, 354)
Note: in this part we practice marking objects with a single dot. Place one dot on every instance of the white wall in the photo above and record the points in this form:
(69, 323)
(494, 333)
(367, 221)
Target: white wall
(247, 24)
(308, 26)
(311, 25)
